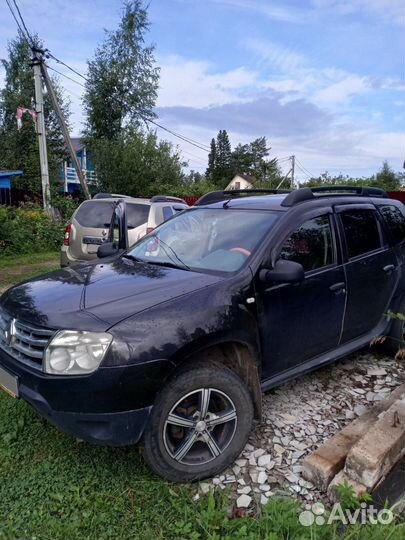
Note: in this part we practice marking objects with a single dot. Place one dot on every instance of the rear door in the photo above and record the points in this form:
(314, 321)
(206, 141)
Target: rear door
(371, 269)
(90, 227)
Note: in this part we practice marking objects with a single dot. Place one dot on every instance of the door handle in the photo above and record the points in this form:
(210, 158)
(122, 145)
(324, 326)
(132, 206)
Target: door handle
(338, 287)
(389, 268)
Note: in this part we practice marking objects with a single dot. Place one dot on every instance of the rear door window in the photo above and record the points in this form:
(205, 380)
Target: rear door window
(95, 214)
(310, 245)
(362, 231)
(137, 214)
(167, 212)
(395, 221)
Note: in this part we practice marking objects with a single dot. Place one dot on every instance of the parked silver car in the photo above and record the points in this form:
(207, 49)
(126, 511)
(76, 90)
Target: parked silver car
(89, 226)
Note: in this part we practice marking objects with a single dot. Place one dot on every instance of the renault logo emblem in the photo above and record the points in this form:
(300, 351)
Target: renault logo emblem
(10, 333)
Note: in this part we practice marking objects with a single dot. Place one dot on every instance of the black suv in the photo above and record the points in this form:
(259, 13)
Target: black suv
(174, 339)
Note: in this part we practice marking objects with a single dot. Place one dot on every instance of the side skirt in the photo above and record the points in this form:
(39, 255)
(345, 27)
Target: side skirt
(327, 358)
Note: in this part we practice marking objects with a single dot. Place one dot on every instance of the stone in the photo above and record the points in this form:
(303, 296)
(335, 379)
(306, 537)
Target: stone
(340, 479)
(264, 460)
(245, 490)
(205, 487)
(374, 455)
(264, 487)
(262, 477)
(279, 449)
(322, 466)
(263, 500)
(243, 501)
(376, 372)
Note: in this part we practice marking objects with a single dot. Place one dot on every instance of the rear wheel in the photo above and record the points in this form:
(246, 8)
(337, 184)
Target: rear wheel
(199, 424)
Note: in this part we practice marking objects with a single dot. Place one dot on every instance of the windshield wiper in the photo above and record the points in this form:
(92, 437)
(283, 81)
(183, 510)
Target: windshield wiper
(133, 258)
(183, 264)
(170, 265)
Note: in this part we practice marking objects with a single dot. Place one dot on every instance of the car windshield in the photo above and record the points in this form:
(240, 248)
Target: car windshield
(206, 239)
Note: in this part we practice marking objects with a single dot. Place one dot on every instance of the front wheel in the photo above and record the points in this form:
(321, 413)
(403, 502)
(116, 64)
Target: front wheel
(199, 424)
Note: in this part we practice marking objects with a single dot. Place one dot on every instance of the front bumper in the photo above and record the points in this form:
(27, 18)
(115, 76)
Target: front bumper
(106, 429)
(110, 407)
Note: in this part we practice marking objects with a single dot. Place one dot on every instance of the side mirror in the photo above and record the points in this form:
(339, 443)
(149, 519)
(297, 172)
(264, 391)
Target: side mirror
(107, 250)
(283, 272)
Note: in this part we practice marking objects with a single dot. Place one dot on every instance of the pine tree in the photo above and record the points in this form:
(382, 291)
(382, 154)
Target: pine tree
(212, 161)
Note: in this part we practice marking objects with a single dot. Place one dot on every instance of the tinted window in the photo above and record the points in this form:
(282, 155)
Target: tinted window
(95, 214)
(137, 214)
(167, 212)
(361, 231)
(310, 245)
(395, 221)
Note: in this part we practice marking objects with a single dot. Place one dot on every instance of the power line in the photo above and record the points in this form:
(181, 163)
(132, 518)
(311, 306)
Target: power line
(30, 40)
(17, 22)
(301, 166)
(66, 76)
(183, 138)
(67, 65)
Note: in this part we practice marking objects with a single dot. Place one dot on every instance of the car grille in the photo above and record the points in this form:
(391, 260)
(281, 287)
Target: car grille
(28, 342)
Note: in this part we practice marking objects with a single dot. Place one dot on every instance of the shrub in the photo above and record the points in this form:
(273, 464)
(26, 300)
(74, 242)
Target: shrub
(28, 230)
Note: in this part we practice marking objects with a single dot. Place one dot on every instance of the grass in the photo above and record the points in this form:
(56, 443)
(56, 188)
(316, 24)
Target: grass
(9, 261)
(53, 487)
(20, 267)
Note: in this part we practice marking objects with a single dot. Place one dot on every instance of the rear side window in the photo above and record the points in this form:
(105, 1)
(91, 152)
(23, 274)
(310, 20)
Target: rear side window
(167, 212)
(310, 245)
(395, 222)
(137, 214)
(361, 231)
(96, 214)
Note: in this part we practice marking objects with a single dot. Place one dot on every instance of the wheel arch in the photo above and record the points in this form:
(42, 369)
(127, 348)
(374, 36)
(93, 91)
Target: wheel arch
(238, 356)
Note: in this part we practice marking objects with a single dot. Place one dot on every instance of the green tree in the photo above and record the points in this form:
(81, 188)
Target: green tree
(19, 148)
(253, 159)
(212, 160)
(138, 164)
(386, 178)
(122, 77)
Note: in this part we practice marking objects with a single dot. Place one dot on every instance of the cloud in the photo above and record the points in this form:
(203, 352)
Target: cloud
(195, 84)
(390, 11)
(264, 115)
(341, 91)
(272, 10)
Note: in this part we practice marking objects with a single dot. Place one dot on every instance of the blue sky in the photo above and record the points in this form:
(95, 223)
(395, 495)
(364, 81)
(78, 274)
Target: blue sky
(322, 79)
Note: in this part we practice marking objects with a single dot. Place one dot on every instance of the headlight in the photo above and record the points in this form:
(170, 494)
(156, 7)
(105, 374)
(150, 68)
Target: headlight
(76, 353)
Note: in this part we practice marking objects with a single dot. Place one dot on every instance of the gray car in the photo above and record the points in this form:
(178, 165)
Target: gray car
(89, 226)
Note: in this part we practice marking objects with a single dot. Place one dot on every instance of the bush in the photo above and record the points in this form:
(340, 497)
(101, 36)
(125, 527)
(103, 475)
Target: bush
(28, 230)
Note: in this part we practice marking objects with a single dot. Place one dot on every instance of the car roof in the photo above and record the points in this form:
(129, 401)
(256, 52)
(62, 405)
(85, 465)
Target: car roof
(274, 202)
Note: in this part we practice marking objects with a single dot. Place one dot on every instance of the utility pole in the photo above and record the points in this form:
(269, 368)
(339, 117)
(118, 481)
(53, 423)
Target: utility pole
(59, 113)
(40, 129)
(292, 172)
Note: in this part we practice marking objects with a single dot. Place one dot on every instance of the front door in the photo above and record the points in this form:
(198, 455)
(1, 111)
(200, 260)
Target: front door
(371, 271)
(302, 321)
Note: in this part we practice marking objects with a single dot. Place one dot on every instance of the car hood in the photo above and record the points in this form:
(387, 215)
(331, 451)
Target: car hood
(97, 296)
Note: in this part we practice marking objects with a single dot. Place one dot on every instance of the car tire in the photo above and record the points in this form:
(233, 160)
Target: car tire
(216, 409)
(395, 339)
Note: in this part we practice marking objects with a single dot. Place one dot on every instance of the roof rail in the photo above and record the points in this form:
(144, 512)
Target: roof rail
(110, 196)
(217, 196)
(307, 193)
(167, 198)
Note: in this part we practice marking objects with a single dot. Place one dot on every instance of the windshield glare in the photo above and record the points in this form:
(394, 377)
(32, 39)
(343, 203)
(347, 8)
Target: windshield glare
(206, 239)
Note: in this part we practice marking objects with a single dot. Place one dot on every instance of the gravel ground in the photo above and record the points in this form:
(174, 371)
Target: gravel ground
(300, 416)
